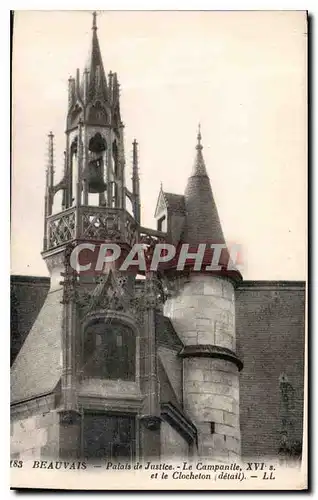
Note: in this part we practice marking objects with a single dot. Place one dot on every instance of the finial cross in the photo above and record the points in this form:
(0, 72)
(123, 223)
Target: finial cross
(199, 137)
(94, 20)
(199, 133)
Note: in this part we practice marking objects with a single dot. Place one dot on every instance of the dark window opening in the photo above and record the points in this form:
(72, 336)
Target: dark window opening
(74, 146)
(97, 144)
(162, 224)
(108, 437)
(109, 351)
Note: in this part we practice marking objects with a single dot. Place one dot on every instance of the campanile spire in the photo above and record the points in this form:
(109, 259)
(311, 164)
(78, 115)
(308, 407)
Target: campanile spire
(94, 26)
(199, 137)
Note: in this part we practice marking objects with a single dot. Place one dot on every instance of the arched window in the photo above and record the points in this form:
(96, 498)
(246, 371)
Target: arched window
(97, 143)
(109, 350)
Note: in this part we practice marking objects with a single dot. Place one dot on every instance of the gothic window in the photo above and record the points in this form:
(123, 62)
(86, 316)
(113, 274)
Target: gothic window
(74, 146)
(109, 351)
(107, 436)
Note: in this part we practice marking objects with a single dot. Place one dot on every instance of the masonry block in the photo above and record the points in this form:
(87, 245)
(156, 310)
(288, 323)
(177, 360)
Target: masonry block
(231, 419)
(228, 290)
(172, 443)
(211, 415)
(205, 337)
(233, 444)
(206, 306)
(227, 430)
(223, 339)
(212, 287)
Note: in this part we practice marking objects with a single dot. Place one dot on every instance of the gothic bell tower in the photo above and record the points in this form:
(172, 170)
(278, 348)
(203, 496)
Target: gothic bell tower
(88, 363)
(94, 170)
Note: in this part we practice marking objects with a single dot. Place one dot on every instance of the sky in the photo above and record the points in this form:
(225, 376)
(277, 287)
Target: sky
(242, 75)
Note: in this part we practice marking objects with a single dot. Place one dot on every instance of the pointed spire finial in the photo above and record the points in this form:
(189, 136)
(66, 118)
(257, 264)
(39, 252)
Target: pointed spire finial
(199, 138)
(135, 157)
(50, 167)
(94, 27)
(199, 165)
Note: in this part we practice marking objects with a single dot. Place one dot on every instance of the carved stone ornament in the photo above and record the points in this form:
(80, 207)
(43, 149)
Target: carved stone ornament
(161, 204)
(101, 225)
(61, 229)
(151, 422)
(112, 293)
(70, 277)
(55, 260)
(69, 417)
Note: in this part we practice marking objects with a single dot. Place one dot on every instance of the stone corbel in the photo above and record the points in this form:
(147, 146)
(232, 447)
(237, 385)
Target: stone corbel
(69, 417)
(151, 422)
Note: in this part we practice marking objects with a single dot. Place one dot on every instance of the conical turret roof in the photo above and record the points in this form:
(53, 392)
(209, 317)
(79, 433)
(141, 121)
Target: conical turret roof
(202, 219)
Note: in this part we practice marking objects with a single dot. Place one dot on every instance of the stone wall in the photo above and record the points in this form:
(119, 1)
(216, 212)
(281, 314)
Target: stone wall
(203, 312)
(270, 321)
(211, 399)
(173, 445)
(35, 437)
(270, 330)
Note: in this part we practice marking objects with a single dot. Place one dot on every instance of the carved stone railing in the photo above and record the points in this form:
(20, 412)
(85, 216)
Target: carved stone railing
(60, 228)
(111, 224)
(90, 223)
(150, 236)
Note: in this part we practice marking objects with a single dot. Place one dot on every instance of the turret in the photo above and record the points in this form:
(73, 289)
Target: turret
(202, 310)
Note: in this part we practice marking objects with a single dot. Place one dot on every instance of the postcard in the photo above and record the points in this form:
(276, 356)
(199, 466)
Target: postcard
(159, 246)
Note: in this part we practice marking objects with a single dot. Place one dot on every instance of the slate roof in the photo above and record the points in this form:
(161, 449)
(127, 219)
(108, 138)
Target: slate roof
(38, 366)
(167, 393)
(28, 294)
(175, 202)
(166, 334)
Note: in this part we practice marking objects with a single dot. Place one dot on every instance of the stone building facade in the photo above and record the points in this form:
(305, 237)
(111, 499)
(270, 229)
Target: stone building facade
(181, 363)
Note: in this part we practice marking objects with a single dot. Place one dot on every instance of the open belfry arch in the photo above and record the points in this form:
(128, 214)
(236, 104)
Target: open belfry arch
(114, 366)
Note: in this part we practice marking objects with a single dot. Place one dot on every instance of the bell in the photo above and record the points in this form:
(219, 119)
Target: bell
(94, 176)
